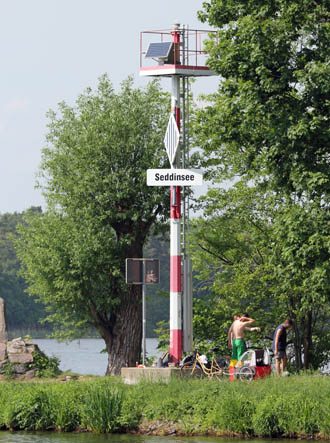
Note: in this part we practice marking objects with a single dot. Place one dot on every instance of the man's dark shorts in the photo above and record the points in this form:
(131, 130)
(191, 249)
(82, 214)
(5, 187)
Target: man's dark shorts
(280, 355)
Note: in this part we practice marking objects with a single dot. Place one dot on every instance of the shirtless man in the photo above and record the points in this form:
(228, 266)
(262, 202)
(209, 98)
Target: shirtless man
(238, 328)
(230, 332)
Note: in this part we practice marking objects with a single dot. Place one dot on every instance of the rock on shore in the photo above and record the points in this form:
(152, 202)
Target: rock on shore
(17, 357)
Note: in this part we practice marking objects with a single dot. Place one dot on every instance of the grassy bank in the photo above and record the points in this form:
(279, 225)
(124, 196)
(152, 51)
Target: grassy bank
(287, 407)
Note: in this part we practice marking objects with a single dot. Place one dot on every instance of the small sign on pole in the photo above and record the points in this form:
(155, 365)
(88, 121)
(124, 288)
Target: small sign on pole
(141, 271)
(174, 177)
(172, 139)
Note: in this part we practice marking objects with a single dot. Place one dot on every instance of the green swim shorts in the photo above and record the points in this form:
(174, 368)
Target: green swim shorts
(239, 347)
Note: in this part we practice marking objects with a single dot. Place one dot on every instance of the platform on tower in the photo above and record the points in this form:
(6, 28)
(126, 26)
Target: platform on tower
(177, 51)
(169, 70)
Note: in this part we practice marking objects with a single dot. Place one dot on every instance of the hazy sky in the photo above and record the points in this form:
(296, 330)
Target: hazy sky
(51, 50)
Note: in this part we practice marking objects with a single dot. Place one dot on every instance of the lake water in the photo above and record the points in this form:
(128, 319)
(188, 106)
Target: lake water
(84, 356)
(52, 437)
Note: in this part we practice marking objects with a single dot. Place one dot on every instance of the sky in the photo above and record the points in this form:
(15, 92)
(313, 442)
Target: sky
(51, 51)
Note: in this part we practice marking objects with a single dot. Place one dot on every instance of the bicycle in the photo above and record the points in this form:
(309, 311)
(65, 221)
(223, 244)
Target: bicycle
(215, 368)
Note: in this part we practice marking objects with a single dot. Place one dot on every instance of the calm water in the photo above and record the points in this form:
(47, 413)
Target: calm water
(84, 356)
(18, 437)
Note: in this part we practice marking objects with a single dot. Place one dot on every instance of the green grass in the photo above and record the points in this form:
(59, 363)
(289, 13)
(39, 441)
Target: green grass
(273, 407)
(291, 407)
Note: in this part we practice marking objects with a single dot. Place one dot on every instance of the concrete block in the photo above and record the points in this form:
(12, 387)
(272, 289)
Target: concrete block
(135, 375)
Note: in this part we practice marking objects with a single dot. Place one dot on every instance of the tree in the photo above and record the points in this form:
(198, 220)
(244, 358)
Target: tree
(24, 314)
(300, 266)
(230, 245)
(270, 116)
(99, 212)
(256, 253)
(267, 126)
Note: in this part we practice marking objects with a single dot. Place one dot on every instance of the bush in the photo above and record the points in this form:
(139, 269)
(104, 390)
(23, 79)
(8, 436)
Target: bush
(30, 411)
(45, 366)
(268, 418)
(131, 414)
(169, 409)
(288, 416)
(102, 404)
(303, 415)
(232, 414)
(66, 403)
(325, 419)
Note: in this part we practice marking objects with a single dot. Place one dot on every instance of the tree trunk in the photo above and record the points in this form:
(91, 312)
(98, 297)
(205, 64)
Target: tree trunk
(307, 340)
(297, 345)
(123, 342)
(123, 332)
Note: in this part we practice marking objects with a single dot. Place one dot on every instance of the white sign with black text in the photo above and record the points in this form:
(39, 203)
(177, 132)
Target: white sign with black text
(174, 177)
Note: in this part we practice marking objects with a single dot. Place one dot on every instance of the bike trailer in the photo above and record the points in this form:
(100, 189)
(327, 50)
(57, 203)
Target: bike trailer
(254, 363)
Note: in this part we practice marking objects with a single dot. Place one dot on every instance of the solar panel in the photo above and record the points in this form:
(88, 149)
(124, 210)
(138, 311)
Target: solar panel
(159, 50)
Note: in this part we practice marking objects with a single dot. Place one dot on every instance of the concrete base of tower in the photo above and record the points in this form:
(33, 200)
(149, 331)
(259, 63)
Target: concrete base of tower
(133, 376)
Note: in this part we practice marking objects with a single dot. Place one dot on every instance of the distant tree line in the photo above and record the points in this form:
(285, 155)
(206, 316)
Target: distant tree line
(23, 312)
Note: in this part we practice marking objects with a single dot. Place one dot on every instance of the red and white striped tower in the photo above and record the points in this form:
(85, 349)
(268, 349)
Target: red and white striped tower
(188, 47)
(175, 250)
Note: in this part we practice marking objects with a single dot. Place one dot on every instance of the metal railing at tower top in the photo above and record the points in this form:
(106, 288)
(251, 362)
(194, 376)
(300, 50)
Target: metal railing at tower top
(195, 53)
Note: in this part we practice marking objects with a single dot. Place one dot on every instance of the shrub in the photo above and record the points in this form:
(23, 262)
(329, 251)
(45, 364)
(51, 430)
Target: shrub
(101, 409)
(5, 395)
(232, 414)
(8, 370)
(66, 402)
(303, 415)
(294, 406)
(30, 411)
(131, 414)
(45, 366)
(168, 409)
(288, 415)
(325, 418)
(267, 420)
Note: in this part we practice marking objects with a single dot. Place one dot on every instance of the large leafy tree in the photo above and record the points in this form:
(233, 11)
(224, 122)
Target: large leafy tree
(271, 113)
(250, 259)
(99, 211)
(268, 127)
